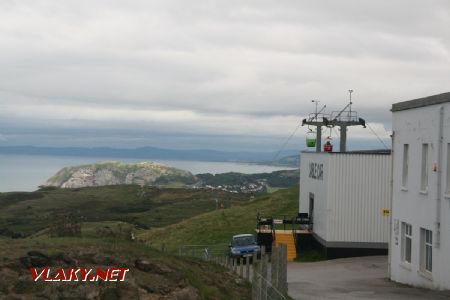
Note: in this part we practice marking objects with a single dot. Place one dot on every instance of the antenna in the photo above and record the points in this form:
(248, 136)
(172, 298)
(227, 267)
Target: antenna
(350, 102)
(316, 102)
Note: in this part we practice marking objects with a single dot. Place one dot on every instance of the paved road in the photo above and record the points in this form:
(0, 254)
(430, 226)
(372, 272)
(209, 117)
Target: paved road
(350, 278)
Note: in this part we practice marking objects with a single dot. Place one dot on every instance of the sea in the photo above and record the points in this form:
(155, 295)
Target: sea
(27, 172)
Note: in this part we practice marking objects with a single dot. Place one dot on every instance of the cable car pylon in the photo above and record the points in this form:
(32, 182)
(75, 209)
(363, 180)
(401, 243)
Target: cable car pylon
(343, 119)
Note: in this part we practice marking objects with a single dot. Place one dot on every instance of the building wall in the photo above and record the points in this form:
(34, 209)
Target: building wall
(350, 198)
(359, 192)
(415, 206)
(309, 183)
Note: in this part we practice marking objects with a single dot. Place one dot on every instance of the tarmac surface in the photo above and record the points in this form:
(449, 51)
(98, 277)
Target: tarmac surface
(351, 278)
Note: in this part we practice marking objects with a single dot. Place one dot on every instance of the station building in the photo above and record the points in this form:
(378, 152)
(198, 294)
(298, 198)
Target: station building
(420, 231)
(346, 196)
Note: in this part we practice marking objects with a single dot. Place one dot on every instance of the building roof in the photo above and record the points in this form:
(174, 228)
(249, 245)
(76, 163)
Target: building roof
(376, 151)
(421, 102)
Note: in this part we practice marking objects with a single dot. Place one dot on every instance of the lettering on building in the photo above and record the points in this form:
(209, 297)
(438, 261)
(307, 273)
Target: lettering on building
(316, 171)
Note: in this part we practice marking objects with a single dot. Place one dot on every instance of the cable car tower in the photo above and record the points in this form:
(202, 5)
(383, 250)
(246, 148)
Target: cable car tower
(343, 119)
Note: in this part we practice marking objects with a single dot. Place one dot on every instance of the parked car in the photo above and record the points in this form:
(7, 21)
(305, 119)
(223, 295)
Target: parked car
(243, 245)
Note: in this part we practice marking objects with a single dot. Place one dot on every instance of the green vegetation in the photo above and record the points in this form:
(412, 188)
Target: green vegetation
(114, 172)
(217, 227)
(24, 214)
(110, 216)
(283, 178)
(309, 256)
(152, 275)
(155, 174)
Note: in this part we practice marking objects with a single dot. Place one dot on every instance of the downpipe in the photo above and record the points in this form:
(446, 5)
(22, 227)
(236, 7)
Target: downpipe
(438, 169)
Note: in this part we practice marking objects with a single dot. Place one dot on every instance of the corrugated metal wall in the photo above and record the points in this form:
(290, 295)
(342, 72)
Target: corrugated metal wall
(316, 186)
(358, 191)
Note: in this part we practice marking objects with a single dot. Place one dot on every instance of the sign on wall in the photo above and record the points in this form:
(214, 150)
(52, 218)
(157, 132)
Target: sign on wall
(316, 171)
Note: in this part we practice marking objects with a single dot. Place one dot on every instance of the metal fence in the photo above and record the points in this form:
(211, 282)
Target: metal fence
(267, 273)
(206, 252)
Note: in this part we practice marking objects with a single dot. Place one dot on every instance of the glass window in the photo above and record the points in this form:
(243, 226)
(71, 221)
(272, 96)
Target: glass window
(406, 242)
(448, 169)
(424, 173)
(426, 251)
(405, 165)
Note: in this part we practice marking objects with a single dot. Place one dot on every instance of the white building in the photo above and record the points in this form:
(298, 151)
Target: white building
(420, 243)
(347, 197)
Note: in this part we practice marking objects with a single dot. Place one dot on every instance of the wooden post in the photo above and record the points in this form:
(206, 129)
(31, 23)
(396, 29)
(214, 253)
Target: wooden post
(264, 277)
(247, 268)
(255, 280)
(283, 272)
(241, 267)
(274, 269)
(262, 284)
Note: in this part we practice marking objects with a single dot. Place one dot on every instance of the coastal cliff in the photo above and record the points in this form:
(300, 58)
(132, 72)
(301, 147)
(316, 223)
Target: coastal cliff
(113, 173)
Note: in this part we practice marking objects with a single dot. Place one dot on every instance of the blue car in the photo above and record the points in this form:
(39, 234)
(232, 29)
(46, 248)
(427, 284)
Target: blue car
(243, 245)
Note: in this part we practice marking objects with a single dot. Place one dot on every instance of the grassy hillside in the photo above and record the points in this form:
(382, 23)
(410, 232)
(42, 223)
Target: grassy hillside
(283, 178)
(152, 275)
(217, 227)
(23, 214)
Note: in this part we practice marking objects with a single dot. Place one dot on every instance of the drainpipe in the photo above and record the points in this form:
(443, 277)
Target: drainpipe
(438, 169)
(391, 196)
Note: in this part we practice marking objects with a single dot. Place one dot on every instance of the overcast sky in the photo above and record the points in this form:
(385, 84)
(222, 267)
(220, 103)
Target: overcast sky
(232, 75)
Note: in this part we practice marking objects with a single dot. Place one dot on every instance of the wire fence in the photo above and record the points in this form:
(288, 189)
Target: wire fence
(266, 272)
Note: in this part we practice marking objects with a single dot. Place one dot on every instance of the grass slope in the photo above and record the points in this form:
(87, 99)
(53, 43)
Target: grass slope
(162, 277)
(217, 227)
(24, 214)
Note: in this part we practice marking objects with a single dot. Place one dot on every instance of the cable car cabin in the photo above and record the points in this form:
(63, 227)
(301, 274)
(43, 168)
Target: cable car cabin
(311, 139)
(328, 147)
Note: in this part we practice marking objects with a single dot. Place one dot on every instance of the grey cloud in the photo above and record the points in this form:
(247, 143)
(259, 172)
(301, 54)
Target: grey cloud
(229, 65)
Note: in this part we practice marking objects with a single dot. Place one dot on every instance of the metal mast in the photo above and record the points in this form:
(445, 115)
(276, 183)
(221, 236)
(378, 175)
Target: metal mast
(342, 119)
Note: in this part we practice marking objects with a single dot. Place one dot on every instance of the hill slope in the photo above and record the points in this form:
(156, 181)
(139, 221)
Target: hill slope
(152, 275)
(217, 227)
(113, 173)
(23, 214)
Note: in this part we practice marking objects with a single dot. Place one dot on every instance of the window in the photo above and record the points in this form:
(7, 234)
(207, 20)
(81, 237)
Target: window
(426, 250)
(406, 242)
(424, 173)
(405, 165)
(448, 170)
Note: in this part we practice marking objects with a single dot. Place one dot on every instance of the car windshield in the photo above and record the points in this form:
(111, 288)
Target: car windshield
(244, 240)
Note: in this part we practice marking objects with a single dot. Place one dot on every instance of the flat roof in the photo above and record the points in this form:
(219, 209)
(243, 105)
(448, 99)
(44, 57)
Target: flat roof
(366, 152)
(421, 102)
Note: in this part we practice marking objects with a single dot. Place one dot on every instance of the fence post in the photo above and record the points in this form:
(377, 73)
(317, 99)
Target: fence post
(283, 271)
(262, 282)
(255, 286)
(274, 269)
(247, 267)
(264, 276)
(241, 267)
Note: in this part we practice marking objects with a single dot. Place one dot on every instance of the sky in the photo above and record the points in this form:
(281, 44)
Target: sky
(225, 75)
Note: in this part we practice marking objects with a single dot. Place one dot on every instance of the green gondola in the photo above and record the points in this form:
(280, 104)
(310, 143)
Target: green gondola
(311, 139)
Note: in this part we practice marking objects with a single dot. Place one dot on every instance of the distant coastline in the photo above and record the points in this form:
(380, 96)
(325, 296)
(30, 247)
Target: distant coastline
(22, 172)
(152, 153)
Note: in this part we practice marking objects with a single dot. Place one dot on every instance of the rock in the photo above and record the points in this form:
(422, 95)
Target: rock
(187, 293)
(36, 254)
(65, 258)
(146, 266)
(35, 261)
(113, 173)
